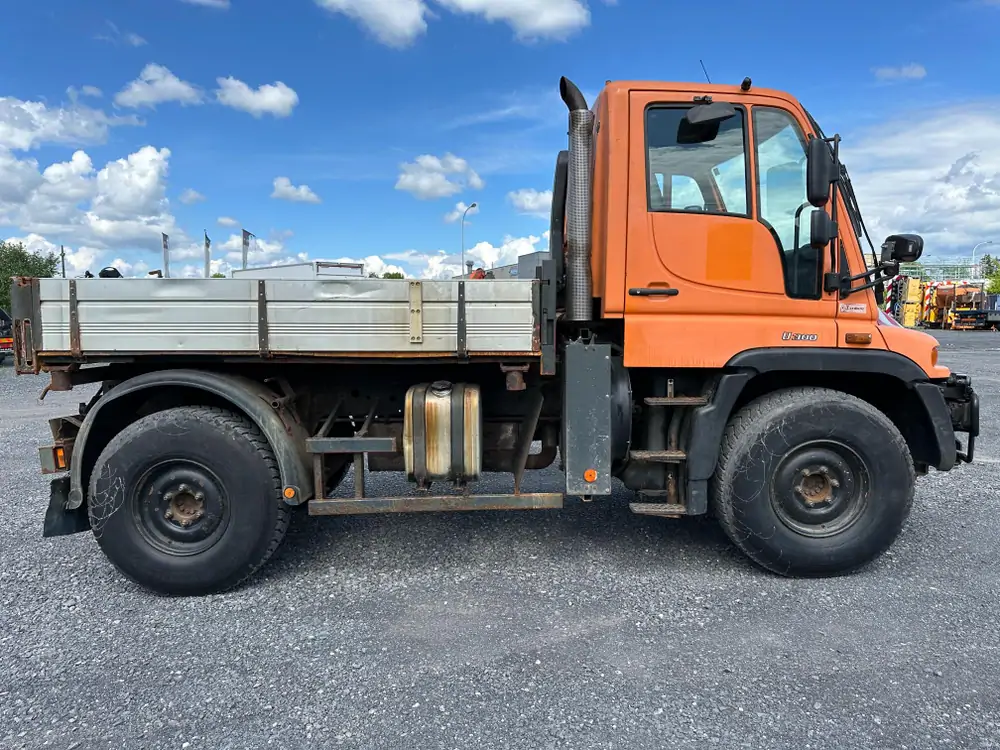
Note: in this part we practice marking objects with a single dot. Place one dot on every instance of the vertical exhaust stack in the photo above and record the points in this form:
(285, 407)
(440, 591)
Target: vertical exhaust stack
(579, 204)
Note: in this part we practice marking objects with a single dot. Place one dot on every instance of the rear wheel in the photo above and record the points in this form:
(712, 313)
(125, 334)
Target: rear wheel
(188, 501)
(812, 482)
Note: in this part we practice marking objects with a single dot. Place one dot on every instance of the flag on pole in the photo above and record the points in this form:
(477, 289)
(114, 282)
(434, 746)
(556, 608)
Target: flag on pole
(166, 256)
(208, 255)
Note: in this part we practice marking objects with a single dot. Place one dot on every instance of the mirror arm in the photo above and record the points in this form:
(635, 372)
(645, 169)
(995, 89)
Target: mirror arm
(882, 273)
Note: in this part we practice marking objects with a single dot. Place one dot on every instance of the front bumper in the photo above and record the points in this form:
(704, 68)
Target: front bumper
(951, 406)
(963, 406)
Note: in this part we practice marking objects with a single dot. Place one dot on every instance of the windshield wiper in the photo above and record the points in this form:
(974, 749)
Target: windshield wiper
(851, 199)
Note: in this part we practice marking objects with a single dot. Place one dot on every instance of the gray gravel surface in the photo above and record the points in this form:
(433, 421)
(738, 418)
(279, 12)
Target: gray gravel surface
(582, 628)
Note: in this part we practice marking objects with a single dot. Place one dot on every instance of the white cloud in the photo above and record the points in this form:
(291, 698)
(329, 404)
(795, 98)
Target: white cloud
(189, 196)
(530, 19)
(157, 85)
(430, 177)
(117, 36)
(26, 125)
(285, 190)
(375, 264)
(398, 23)
(452, 216)
(121, 206)
(395, 23)
(269, 99)
(133, 187)
(531, 201)
(220, 4)
(227, 221)
(443, 265)
(75, 93)
(936, 175)
(911, 72)
(262, 252)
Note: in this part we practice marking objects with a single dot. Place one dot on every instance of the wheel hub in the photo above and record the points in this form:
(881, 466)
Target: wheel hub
(820, 488)
(181, 507)
(185, 505)
(816, 485)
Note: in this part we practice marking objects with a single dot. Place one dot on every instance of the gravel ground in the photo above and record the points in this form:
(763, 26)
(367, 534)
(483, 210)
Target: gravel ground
(581, 628)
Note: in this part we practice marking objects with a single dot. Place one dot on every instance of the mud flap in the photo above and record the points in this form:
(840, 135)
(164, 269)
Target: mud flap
(60, 521)
(586, 439)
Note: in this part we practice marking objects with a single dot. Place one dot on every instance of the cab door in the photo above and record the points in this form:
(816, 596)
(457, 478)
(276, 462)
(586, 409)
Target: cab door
(717, 251)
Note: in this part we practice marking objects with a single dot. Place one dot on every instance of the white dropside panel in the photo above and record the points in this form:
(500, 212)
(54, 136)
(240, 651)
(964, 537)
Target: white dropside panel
(322, 315)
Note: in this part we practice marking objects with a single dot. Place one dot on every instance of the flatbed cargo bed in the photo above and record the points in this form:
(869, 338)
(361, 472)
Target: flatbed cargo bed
(94, 319)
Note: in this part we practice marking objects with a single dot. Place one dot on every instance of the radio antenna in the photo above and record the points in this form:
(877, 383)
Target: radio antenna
(705, 71)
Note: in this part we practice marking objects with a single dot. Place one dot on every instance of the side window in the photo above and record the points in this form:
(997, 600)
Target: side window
(681, 194)
(783, 208)
(703, 172)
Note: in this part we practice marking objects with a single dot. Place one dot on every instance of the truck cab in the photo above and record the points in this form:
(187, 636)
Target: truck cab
(702, 234)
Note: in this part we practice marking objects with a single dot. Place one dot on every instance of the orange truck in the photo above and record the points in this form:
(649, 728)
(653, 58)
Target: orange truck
(706, 333)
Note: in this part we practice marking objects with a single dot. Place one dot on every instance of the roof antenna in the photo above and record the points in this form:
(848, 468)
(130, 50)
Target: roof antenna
(705, 71)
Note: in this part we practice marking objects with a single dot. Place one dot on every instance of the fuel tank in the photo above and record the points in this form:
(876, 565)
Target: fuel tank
(442, 433)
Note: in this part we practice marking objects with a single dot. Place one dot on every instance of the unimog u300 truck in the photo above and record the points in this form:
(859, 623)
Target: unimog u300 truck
(706, 331)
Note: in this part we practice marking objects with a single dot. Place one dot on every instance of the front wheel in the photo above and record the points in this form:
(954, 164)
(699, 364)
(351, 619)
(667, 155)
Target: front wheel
(188, 501)
(812, 482)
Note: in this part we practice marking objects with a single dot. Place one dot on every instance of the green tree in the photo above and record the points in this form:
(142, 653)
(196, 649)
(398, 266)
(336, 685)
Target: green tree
(989, 266)
(993, 287)
(218, 275)
(16, 260)
(392, 275)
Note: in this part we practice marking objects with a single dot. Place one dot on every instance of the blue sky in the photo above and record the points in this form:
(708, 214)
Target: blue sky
(377, 117)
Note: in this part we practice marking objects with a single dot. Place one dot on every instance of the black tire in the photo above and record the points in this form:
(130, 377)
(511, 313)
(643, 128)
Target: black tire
(812, 482)
(188, 501)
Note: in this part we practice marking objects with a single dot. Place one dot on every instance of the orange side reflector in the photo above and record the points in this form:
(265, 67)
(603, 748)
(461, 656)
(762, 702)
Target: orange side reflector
(60, 458)
(858, 338)
(289, 493)
(590, 475)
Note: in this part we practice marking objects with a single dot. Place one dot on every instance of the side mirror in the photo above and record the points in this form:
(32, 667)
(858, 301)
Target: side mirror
(902, 248)
(820, 172)
(823, 229)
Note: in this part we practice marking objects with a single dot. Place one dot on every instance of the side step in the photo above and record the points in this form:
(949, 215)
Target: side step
(659, 457)
(675, 401)
(430, 503)
(658, 509)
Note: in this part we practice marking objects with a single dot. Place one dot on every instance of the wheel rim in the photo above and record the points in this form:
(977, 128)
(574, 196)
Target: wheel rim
(820, 488)
(180, 507)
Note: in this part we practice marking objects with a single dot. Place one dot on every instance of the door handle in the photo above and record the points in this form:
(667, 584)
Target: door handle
(653, 291)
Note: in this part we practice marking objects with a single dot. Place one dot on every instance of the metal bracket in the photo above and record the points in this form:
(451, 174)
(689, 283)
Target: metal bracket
(74, 321)
(528, 427)
(463, 333)
(262, 318)
(416, 313)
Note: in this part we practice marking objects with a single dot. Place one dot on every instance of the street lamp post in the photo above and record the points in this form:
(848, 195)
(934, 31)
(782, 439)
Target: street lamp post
(463, 231)
(986, 242)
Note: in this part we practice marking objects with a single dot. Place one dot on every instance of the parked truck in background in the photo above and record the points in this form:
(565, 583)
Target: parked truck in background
(6, 337)
(706, 331)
